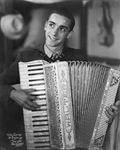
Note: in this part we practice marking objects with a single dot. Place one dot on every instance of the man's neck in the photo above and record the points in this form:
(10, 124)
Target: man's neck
(50, 50)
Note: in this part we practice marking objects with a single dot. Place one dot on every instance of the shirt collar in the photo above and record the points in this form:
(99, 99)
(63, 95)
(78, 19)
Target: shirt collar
(49, 52)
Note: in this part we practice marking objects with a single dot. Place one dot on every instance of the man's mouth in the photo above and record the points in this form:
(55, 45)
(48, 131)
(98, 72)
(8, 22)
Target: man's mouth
(52, 38)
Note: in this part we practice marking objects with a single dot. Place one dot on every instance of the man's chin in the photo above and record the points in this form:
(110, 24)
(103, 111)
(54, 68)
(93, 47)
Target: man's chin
(51, 44)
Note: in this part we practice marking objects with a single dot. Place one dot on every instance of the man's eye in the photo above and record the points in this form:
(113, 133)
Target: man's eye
(63, 29)
(51, 25)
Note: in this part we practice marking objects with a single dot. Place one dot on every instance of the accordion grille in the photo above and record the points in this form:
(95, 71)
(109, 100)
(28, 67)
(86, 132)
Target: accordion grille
(89, 86)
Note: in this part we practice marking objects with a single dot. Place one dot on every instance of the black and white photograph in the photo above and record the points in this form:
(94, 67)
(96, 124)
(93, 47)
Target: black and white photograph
(59, 74)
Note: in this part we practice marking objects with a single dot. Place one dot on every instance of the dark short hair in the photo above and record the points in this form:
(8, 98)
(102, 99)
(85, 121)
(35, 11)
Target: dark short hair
(64, 12)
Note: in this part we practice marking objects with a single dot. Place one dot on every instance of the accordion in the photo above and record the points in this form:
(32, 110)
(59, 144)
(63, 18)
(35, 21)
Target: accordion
(73, 96)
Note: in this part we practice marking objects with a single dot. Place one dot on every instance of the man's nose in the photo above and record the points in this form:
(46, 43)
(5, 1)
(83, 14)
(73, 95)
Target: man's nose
(55, 32)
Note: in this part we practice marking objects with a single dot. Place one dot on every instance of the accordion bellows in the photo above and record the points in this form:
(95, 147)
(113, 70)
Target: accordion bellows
(73, 97)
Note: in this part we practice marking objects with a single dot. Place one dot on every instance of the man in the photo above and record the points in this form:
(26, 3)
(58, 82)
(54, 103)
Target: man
(58, 29)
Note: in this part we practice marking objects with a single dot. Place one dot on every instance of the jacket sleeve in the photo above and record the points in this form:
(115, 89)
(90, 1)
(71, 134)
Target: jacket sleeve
(9, 77)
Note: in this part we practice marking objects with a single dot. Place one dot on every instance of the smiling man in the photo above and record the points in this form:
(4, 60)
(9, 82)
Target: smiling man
(58, 28)
(57, 31)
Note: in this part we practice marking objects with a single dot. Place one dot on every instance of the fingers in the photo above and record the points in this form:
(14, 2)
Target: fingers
(25, 99)
(109, 116)
(29, 100)
(31, 105)
(109, 113)
(112, 111)
(29, 91)
(117, 103)
(115, 107)
(32, 97)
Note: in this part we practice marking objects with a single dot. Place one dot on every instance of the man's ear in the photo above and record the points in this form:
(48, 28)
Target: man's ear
(45, 25)
(69, 35)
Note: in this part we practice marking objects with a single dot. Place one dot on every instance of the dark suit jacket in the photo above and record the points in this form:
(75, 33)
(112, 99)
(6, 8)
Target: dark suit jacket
(10, 75)
(11, 119)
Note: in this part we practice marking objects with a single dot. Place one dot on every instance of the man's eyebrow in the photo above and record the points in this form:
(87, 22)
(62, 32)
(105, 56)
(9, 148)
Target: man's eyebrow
(51, 22)
(67, 28)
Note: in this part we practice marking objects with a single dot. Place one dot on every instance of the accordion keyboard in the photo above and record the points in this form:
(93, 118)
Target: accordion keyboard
(36, 122)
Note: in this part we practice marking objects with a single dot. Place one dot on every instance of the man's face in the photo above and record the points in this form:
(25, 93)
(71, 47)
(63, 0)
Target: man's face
(57, 30)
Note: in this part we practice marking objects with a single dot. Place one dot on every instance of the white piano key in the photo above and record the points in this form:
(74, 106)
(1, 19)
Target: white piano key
(37, 133)
(35, 113)
(26, 77)
(33, 130)
(39, 92)
(42, 118)
(36, 128)
(38, 140)
(34, 82)
(42, 87)
(27, 67)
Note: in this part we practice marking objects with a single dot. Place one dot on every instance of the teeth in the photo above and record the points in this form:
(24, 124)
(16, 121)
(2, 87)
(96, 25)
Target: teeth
(52, 38)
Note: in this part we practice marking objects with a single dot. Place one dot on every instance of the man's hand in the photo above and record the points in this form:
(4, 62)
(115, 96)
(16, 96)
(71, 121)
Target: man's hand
(24, 98)
(112, 111)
